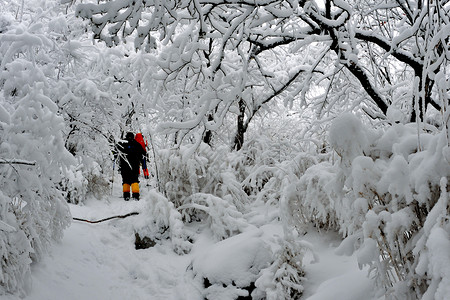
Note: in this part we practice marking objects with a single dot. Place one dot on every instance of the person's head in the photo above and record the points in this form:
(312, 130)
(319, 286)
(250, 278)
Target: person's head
(129, 136)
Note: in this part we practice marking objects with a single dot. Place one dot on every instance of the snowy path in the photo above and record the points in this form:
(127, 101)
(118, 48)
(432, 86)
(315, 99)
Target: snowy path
(84, 266)
(98, 261)
(334, 277)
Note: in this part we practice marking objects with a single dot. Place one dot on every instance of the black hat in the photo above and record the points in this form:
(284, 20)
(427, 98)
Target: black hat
(129, 136)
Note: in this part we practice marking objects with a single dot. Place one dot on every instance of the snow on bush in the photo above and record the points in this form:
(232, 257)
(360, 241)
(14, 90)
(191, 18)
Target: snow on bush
(283, 278)
(265, 160)
(208, 184)
(190, 170)
(15, 249)
(348, 137)
(282, 183)
(258, 163)
(313, 199)
(432, 249)
(75, 185)
(266, 166)
(89, 112)
(84, 180)
(33, 159)
(33, 134)
(98, 184)
(228, 269)
(203, 186)
(160, 220)
(247, 266)
(222, 216)
(381, 195)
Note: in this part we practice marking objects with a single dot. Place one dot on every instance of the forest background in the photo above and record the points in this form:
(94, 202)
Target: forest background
(330, 113)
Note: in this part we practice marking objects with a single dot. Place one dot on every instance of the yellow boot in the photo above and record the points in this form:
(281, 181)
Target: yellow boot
(126, 191)
(135, 190)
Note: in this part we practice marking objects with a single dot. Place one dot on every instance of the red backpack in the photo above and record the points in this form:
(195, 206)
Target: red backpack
(140, 139)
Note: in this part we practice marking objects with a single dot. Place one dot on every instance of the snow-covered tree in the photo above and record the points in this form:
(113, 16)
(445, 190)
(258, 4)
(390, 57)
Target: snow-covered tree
(38, 62)
(249, 53)
(32, 155)
(276, 72)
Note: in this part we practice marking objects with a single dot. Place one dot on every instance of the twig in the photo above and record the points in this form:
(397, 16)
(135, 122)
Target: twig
(106, 219)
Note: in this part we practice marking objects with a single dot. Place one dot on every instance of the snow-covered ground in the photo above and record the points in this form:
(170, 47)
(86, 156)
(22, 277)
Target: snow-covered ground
(99, 261)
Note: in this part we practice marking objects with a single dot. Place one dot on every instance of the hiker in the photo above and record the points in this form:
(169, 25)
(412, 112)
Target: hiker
(140, 139)
(130, 156)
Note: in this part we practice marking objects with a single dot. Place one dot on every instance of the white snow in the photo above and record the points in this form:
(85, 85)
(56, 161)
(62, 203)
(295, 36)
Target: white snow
(99, 261)
(348, 136)
(237, 259)
(382, 182)
(335, 276)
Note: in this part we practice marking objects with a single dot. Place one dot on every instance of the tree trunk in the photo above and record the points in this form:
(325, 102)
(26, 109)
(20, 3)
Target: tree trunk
(240, 131)
(208, 134)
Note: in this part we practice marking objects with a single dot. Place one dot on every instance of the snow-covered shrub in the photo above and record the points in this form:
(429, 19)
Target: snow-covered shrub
(399, 203)
(84, 180)
(15, 250)
(190, 170)
(432, 249)
(160, 220)
(228, 269)
(348, 137)
(32, 156)
(98, 184)
(258, 163)
(381, 194)
(221, 215)
(282, 183)
(75, 185)
(312, 198)
(267, 160)
(283, 278)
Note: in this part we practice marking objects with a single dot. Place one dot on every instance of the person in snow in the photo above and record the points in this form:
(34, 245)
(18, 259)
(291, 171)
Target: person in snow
(130, 157)
(140, 139)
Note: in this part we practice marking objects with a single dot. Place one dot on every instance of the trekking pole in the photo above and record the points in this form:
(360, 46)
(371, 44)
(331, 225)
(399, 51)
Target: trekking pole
(112, 180)
(115, 156)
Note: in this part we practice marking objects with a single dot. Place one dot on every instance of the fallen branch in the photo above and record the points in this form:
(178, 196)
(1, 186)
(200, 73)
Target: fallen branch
(17, 162)
(106, 219)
